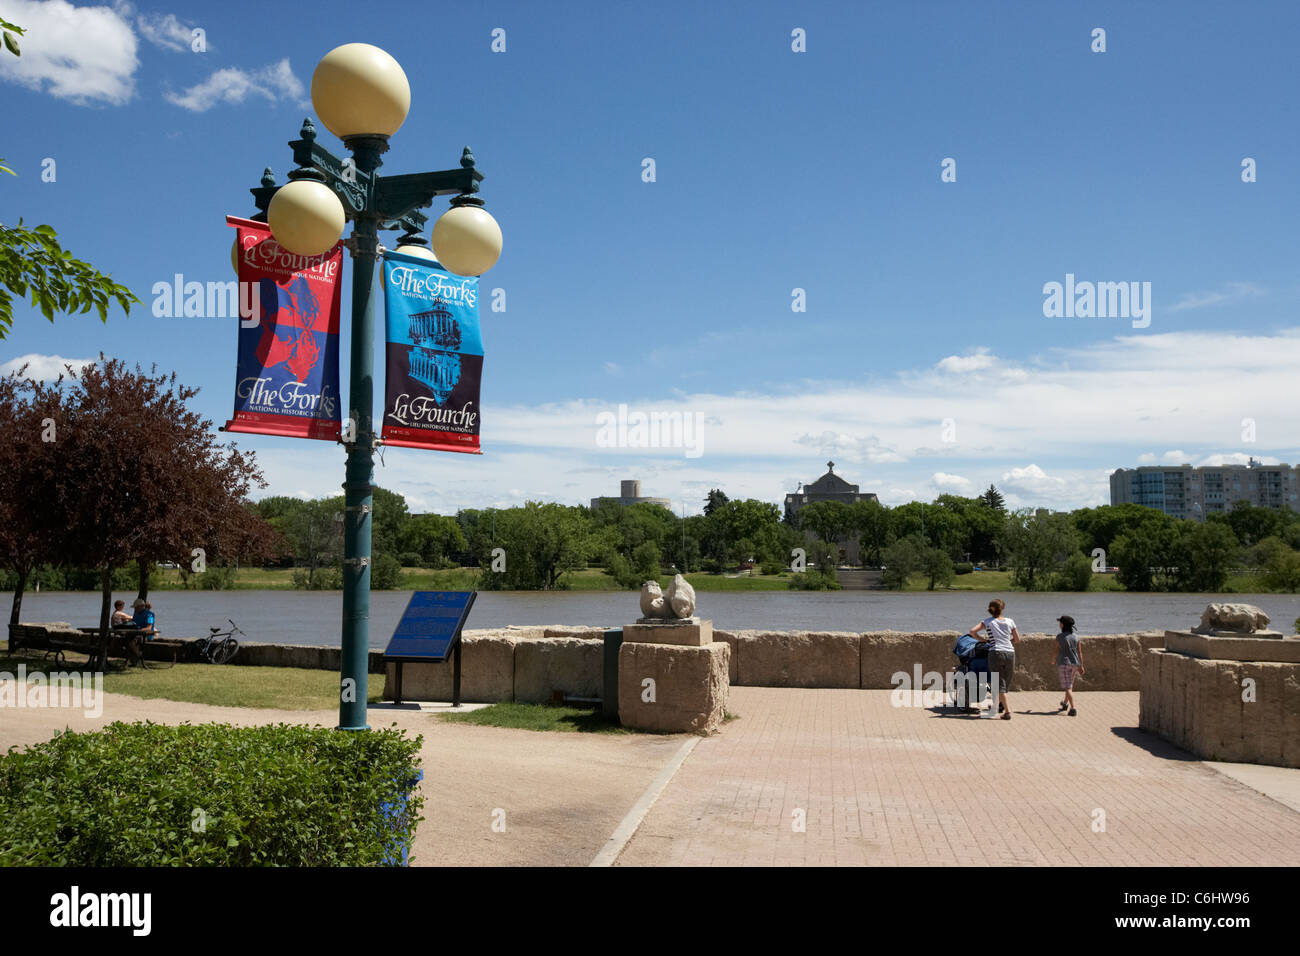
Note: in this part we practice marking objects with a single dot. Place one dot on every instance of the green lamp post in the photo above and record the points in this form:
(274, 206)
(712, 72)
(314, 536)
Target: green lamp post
(362, 96)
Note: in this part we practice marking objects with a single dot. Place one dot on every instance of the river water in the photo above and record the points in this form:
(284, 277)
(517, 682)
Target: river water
(313, 617)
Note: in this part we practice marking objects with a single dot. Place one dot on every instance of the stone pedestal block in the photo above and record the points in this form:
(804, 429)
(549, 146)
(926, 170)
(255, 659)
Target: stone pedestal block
(1235, 711)
(1260, 646)
(694, 633)
(689, 687)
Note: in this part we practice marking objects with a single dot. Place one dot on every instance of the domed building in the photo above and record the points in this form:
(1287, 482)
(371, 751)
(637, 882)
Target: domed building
(829, 487)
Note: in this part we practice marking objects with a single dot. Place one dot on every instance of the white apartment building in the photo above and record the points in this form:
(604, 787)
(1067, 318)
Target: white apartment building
(1182, 491)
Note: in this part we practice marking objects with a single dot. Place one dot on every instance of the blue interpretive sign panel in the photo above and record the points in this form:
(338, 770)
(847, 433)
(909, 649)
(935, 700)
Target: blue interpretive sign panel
(430, 626)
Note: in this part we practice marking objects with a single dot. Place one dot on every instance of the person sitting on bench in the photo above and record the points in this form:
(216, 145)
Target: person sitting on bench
(120, 617)
(144, 619)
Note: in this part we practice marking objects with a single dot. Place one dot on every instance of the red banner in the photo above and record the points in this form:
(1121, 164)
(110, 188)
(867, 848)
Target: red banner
(287, 379)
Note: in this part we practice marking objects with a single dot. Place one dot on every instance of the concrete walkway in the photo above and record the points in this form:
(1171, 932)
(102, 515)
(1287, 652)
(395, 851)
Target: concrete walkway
(872, 784)
(879, 785)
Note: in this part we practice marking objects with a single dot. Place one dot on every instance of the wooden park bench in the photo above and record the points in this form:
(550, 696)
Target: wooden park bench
(129, 644)
(123, 643)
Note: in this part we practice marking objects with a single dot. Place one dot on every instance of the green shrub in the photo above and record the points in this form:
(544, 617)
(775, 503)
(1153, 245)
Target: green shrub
(410, 559)
(963, 567)
(772, 567)
(813, 581)
(145, 794)
(1075, 574)
(215, 578)
(385, 572)
(326, 578)
(621, 570)
(645, 561)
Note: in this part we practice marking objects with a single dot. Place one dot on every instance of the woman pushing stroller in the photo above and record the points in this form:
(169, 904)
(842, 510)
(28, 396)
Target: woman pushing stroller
(1003, 635)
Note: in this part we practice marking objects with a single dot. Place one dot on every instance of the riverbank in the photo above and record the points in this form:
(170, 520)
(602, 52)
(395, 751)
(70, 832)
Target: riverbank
(596, 580)
(312, 617)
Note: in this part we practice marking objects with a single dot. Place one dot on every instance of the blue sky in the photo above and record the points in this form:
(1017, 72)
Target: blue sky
(923, 363)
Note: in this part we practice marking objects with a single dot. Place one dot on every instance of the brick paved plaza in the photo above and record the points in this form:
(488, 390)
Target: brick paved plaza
(885, 786)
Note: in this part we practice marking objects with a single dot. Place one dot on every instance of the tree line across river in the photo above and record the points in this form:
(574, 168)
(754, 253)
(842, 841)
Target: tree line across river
(106, 475)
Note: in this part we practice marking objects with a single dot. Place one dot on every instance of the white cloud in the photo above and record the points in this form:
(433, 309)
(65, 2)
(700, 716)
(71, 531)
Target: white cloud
(1176, 458)
(1236, 458)
(1076, 415)
(957, 364)
(950, 483)
(41, 368)
(850, 447)
(233, 85)
(82, 54)
(1232, 292)
(1031, 480)
(613, 368)
(166, 31)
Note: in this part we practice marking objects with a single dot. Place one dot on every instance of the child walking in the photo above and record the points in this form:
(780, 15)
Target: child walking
(1069, 660)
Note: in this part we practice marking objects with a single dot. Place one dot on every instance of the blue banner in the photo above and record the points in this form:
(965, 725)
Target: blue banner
(434, 356)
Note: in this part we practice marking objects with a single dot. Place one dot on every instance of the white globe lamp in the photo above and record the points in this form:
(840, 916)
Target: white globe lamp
(306, 217)
(467, 240)
(359, 90)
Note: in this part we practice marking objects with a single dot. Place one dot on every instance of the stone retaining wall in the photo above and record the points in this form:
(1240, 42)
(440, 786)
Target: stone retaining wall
(531, 663)
(869, 660)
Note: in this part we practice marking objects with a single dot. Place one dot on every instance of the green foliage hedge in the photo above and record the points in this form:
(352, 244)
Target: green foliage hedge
(146, 794)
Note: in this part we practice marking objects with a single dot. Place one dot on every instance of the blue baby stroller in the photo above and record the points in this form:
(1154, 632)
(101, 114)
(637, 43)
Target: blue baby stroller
(970, 680)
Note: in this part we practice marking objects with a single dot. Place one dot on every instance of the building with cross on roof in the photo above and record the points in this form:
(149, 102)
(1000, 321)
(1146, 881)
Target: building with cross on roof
(829, 487)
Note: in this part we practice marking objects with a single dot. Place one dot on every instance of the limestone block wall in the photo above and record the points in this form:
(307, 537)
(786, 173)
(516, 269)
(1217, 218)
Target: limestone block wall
(527, 664)
(869, 660)
(568, 664)
(531, 663)
(1198, 705)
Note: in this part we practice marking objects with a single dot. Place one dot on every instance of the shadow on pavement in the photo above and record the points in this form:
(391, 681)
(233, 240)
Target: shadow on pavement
(1155, 746)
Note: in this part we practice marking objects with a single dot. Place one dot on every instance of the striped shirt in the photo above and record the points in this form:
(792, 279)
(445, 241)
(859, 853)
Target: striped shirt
(999, 629)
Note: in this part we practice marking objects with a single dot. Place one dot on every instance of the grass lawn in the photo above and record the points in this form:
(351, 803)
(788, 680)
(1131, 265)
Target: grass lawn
(539, 717)
(1000, 581)
(595, 579)
(281, 688)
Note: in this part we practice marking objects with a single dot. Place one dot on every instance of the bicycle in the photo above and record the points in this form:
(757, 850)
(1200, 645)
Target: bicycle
(219, 646)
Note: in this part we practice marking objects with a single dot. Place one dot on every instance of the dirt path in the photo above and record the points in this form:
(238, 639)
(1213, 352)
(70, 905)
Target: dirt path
(561, 795)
